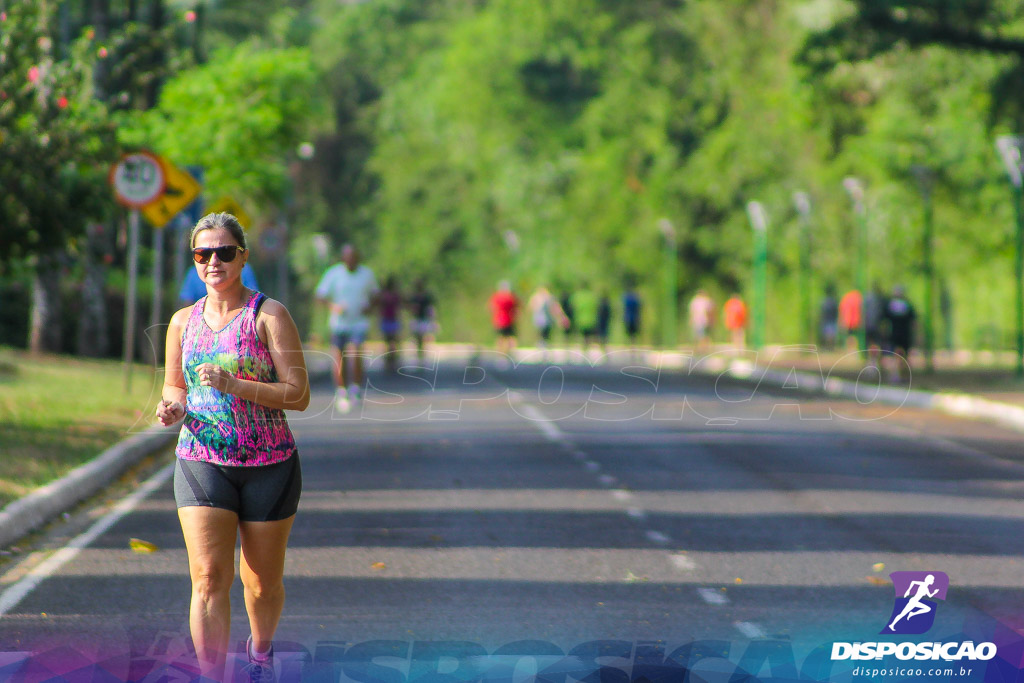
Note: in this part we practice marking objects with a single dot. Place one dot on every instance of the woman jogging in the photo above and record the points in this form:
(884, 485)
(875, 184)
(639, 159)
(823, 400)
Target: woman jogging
(234, 364)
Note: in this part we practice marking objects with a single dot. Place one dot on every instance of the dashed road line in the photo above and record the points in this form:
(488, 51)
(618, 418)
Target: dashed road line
(657, 537)
(682, 562)
(556, 435)
(750, 630)
(546, 426)
(712, 596)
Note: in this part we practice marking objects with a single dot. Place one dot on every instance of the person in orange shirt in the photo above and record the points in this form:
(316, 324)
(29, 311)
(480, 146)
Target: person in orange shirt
(734, 315)
(851, 309)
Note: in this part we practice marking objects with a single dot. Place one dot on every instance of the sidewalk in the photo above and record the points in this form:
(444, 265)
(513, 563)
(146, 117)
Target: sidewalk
(975, 385)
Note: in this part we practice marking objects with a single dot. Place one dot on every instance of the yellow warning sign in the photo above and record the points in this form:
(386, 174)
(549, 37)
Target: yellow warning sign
(229, 205)
(180, 190)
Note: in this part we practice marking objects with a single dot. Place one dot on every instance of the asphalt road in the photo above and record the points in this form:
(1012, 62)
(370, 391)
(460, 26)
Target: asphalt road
(615, 514)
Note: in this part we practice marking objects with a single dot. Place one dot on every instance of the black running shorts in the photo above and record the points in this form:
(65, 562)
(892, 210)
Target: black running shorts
(266, 493)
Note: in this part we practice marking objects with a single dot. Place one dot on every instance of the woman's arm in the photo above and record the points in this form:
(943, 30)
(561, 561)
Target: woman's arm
(172, 405)
(291, 392)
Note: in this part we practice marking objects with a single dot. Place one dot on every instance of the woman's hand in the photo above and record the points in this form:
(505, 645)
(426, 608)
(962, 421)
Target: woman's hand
(214, 376)
(169, 412)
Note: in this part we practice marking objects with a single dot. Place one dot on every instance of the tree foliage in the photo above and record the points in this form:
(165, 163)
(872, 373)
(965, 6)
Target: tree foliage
(578, 125)
(472, 140)
(56, 142)
(240, 116)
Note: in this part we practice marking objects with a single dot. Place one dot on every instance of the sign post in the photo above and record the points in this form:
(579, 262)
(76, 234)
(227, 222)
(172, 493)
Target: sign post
(802, 202)
(1010, 149)
(855, 188)
(670, 277)
(138, 179)
(180, 189)
(925, 180)
(759, 221)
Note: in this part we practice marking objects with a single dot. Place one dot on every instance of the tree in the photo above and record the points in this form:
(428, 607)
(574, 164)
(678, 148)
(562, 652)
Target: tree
(57, 144)
(240, 116)
(878, 27)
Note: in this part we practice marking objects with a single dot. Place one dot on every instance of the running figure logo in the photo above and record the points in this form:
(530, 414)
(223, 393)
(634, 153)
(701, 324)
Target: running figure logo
(914, 608)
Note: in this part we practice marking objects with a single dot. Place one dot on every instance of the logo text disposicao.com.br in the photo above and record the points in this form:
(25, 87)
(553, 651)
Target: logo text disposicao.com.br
(913, 612)
(948, 652)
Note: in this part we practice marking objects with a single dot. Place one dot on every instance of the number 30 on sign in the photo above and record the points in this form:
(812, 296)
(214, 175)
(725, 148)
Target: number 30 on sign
(138, 179)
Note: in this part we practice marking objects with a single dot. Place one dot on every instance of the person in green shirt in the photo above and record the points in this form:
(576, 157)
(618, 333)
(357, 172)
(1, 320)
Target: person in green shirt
(586, 304)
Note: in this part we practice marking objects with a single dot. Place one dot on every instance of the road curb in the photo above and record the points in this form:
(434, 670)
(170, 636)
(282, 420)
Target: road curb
(960, 405)
(47, 502)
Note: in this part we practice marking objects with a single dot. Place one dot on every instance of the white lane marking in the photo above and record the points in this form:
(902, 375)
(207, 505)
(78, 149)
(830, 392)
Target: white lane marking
(636, 513)
(682, 562)
(592, 466)
(607, 479)
(657, 537)
(712, 596)
(10, 598)
(547, 427)
(750, 630)
(621, 494)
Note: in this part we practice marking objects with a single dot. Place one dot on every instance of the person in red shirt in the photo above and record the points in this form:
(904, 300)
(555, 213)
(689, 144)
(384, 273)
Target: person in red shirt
(851, 308)
(504, 307)
(734, 315)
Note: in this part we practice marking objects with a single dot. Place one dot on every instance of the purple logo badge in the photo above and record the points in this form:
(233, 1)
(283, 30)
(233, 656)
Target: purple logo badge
(914, 609)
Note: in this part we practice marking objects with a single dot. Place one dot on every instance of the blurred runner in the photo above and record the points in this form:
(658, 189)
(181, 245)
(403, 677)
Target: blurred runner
(631, 306)
(829, 322)
(424, 316)
(702, 317)
(604, 321)
(851, 310)
(504, 310)
(585, 304)
(901, 317)
(389, 303)
(566, 302)
(734, 314)
(546, 313)
(875, 324)
(349, 289)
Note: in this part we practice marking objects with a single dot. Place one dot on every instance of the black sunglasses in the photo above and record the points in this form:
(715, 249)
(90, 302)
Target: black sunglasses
(225, 253)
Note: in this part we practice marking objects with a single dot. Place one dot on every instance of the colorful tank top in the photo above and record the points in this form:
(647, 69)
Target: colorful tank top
(222, 428)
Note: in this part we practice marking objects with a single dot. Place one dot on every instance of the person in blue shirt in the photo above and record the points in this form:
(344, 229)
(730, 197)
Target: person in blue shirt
(193, 289)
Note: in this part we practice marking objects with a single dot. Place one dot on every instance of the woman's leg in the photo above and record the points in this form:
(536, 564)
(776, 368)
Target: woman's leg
(262, 571)
(210, 535)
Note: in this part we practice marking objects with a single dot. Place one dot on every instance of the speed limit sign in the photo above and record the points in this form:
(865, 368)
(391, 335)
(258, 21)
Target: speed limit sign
(138, 179)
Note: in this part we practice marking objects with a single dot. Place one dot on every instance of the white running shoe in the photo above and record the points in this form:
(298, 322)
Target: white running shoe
(259, 670)
(342, 404)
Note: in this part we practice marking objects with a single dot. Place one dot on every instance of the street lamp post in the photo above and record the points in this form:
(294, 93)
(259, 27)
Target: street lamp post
(671, 276)
(759, 221)
(925, 182)
(1009, 147)
(855, 188)
(303, 153)
(802, 201)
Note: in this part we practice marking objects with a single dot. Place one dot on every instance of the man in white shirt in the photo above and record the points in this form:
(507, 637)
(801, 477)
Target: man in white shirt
(349, 289)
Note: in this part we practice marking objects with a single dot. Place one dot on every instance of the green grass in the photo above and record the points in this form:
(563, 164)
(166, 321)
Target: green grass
(57, 412)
